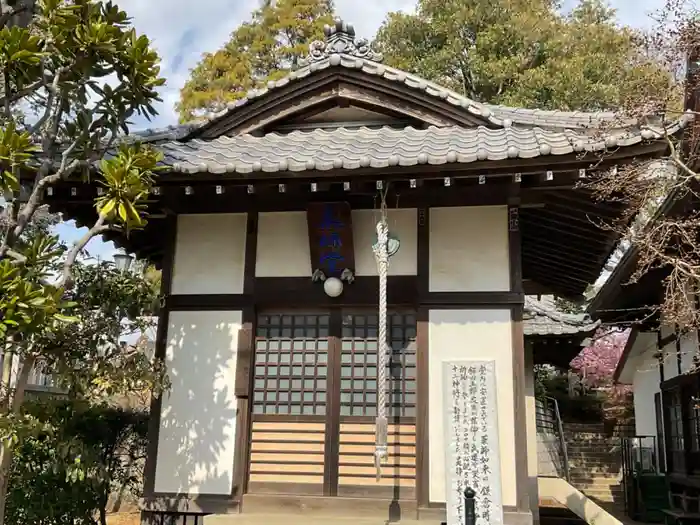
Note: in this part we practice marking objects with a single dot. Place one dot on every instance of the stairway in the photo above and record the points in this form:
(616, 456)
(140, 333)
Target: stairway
(595, 464)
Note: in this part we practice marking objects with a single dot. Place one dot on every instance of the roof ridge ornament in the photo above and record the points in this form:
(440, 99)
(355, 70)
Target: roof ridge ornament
(340, 40)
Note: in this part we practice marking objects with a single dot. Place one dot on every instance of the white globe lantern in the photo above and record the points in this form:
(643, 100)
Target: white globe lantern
(333, 287)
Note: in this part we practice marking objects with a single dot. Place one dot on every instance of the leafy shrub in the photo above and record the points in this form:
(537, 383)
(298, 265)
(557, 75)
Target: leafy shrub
(65, 473)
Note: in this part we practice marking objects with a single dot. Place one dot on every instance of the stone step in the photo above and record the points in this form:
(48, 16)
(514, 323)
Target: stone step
(591, 469)
(595, 456)
(301, 519)
(594, 483)
(603, 448)
(608, 497)
(328, 507)
(589, 438)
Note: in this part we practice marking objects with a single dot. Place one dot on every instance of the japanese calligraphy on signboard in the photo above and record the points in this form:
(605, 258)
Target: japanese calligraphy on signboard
(330, 237)
(471, 441)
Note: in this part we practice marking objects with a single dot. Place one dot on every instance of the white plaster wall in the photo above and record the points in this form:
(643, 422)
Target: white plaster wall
(209, 254)
(645, 385)
(402, 223)
(531, 422)
(471, 334)
(283, 245)
(670, 354)
(196, 442)
(689, 349)
(469, 249)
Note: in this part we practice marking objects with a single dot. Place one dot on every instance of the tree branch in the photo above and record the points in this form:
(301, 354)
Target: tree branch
(98, 228)
(5, 17)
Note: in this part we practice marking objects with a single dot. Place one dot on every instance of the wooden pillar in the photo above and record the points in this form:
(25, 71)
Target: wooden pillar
(423, 364)
(245, 363)
(519, 405)
(160, 349)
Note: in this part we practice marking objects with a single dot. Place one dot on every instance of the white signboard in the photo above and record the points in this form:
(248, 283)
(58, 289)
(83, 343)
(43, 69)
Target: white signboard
(471, 441)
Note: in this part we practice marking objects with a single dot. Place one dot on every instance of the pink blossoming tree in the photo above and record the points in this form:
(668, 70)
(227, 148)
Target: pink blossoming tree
(596, 365)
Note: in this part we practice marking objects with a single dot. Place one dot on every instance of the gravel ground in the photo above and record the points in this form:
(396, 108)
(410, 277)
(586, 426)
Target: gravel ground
(124, 518)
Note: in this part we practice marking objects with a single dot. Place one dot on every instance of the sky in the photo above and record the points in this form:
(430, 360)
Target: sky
(182, 30)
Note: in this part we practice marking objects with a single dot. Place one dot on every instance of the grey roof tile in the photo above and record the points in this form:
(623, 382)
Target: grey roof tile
(541, 317)
(495, 115)
(376, 148)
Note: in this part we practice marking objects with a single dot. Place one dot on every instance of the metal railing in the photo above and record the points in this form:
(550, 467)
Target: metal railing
(552, 454)
(642, 479)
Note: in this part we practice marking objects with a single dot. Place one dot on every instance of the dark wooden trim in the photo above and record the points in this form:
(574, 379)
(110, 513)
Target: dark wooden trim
(423, 409)
(240, 456)
(660, 345)
(679, 357)
(251, 252)
(246, 350)
(465, 300)
(244, 363)
(519, 404)
(681, 380)
(423, 250)
(683, 479)
(170, 232)
(332, 444)
(179, 503)
(287, 418)
(202, 302)
(423, 359)
(687, 439)
(300, 292)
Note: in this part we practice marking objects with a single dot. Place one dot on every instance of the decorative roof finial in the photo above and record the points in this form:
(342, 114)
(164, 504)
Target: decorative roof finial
(340, 40)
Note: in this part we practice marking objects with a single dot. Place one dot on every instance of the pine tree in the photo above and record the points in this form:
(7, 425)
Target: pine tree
(265, 48)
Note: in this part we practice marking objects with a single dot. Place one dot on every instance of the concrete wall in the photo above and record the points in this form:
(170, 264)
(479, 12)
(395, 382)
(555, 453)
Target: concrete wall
(471, 334)
(196, 442)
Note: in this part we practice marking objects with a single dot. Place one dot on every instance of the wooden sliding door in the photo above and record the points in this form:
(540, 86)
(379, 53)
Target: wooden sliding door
(290, 404)
(315, 400)
(358, 406)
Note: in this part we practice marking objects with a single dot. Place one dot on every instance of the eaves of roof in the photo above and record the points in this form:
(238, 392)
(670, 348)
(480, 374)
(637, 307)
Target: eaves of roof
(542, 318)
(355, 148)
(613, 286)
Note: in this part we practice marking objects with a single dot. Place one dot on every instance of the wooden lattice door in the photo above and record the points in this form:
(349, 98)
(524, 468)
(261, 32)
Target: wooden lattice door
(358, 406)
(314, 404)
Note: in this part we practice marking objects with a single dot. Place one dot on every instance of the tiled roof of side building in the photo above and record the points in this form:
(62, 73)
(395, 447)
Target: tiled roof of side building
(543, 318)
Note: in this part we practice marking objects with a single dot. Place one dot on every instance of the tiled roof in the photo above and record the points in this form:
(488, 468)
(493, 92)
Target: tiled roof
(377, 148)
(500, 116)
(542, 318)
